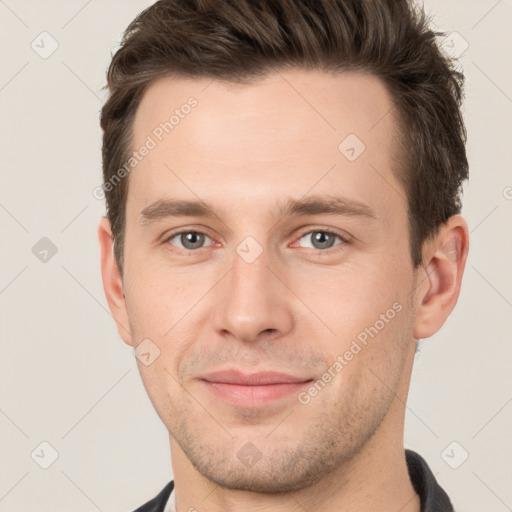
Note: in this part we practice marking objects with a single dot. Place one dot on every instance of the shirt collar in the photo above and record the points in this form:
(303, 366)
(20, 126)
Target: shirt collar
(432, 497)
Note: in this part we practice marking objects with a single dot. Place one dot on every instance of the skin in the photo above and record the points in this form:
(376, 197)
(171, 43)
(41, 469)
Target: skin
(243, 151)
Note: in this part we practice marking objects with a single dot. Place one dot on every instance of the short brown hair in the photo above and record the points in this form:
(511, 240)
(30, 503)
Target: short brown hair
(243, 40)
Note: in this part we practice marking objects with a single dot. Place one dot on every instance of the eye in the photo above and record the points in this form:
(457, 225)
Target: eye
(189, 240)
(321, 239)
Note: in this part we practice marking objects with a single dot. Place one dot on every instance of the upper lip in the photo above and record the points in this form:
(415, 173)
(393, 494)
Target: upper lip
(251, 379)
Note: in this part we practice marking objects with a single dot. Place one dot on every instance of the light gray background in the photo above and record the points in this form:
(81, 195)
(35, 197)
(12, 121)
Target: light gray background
(66, 377)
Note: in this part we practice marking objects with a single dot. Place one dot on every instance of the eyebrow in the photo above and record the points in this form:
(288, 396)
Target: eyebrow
(312, 205)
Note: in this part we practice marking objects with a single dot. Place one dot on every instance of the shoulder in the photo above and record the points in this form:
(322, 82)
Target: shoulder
(157, 504)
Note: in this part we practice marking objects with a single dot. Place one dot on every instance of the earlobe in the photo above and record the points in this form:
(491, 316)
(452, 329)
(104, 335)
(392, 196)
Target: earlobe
(439, 287)
(113, 281)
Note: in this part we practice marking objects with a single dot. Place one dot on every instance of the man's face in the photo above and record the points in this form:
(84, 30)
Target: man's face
(254, 284)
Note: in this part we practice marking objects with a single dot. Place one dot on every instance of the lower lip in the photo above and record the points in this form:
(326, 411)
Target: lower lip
(254, 396)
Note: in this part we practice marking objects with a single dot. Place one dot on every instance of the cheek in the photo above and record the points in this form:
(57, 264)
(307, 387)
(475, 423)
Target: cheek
(351, 298)
(158, 296)
(372, 359)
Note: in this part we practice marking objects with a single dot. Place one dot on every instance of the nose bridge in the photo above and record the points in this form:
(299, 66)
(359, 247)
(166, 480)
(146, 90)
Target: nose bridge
(251, 301)
(249, 279)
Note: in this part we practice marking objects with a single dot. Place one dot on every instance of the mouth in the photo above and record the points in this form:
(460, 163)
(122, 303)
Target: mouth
(253, 389)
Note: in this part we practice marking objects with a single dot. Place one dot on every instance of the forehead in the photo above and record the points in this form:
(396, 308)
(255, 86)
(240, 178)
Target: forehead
(288, 133)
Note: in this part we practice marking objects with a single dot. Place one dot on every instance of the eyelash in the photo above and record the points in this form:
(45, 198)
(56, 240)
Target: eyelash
(343, 239)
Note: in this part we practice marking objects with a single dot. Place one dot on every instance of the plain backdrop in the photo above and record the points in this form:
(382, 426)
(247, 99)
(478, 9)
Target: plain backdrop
(69, 382)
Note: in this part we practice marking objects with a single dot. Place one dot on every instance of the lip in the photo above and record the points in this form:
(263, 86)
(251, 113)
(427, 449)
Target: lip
(252, 389)
(252, 379)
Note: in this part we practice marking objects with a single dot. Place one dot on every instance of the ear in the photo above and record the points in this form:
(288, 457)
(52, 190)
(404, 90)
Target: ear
(113, 281)
(439, 279)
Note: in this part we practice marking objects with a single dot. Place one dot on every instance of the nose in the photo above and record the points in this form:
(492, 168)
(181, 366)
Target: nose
(252, 303)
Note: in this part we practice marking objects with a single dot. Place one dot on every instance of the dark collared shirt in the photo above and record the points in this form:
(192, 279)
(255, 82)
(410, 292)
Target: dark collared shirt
(432, 496)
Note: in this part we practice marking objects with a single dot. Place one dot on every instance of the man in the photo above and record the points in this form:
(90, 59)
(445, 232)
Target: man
(282, 182)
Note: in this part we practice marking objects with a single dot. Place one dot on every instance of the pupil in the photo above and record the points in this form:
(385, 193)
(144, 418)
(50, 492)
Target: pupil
(192, 240)
(322, 240)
